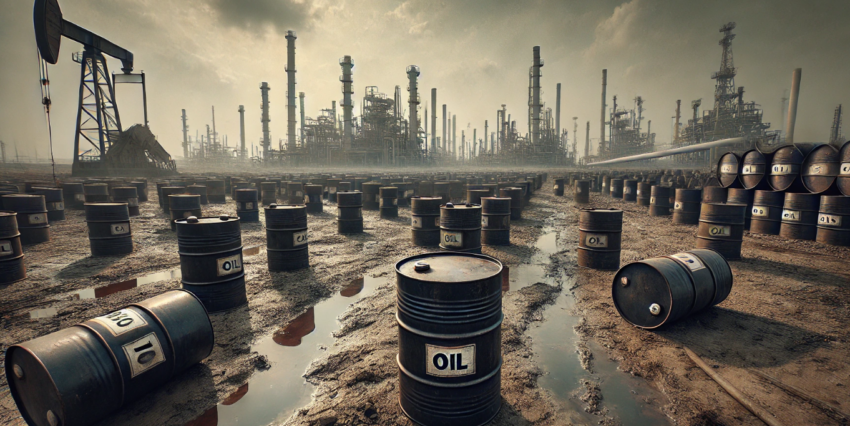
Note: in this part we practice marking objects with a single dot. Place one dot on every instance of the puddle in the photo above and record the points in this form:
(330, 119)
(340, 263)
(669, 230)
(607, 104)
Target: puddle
(43, 313)
(527, 274)
(279, 391)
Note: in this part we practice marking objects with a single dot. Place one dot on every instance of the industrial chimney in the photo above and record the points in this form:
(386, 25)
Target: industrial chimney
(558, 113)
(264, 89)
(791, 121)
(535, 96)
(602, 112)
(413, 105)
(347, 105)
(185, 136)
(433, 121)
(301, 107)
(242, 132)
(290, 87)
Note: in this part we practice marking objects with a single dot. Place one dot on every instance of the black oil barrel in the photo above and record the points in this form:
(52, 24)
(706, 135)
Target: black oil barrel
(199, 190)
(344, 187)
(96, 193)
(55, 201)
(727, 170)
(78, 375)
(295, 192)
(742, 196)
(235, 186)
(686, 208)
(456, 190)
(800, 216)
(721, 228)
(247, 204)
(658, 291)
(141, 189)
(405, 192)
(495, 221)
(210, 251)
(110, 233)
(515, 194)
(286, 237)
(833, 220)
(129, 195)
(599, 238)
(559, 186)
(73, 195)
(443, 190)
(425, 221)
(268, 193)
(388, 202)
(766, 212)
(714, 194)
(659, 200)
(820, 170)
(643, 193)
(165, 192)
(371, 195)
(349, 212)
(32, 217)
(785, 168)
(426, 188)
(582, 191)
(606, 185)
(12, 267)
(630, 190)
(617, 188)
(333, 188)
(313, 198)
(216, 191)
(474, 195)
(449, 317)
(182, 206)
(460, 227)
(843, 179)
(754, 170)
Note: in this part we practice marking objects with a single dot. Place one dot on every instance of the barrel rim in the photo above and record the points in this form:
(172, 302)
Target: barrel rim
(445, 254)
(666, 281)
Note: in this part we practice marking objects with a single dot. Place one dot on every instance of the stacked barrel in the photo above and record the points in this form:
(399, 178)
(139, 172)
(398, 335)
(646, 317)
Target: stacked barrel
(388, 204)
(12, 267)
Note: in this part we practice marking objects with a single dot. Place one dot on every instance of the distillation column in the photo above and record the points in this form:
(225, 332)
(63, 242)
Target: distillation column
(413, 106)
(347, 105)
(433, 121)
(290, 86)
(264, 89)
(535, 97)
(185, 136)
(242, 132)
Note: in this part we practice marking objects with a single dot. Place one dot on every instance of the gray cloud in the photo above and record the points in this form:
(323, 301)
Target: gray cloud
(258, 15)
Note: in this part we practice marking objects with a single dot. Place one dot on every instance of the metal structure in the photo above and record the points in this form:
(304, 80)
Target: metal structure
(835, 136)
(242, 152)
(264, 118)
(347, 105)
(290, 89)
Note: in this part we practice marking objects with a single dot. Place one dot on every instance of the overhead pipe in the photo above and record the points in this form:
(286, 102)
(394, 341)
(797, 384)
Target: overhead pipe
(668, 152)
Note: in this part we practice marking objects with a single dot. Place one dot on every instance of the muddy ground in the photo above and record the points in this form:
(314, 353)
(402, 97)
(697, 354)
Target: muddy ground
(787, 316)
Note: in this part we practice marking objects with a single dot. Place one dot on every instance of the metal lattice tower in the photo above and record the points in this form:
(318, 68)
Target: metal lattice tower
(725, 91)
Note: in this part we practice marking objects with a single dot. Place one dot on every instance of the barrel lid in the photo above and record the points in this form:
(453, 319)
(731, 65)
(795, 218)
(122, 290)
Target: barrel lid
(8, 213)
(595, 210)
(641, 293)
(449, 267)
(274, 206)
(106, 204)
(206, 220)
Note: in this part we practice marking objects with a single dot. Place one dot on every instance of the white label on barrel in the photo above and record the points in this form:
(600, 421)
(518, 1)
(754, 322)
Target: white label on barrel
(677, 205)
(784, 169)
(651, 200)
(377, 198)
(56, 206)
(80, 197)
(727, 168)
(5, 248)
(823, 219)
(299, 238)
(719, 230)
(845, 169)
(692, 262)
(555, 187)
(229, 265)
(485, 221)
(638, 191)
(415, 222)
(133, 202)
(627, 190)
(249, 206)
(449, 362)
(761, 211)
(596, 240)
(332, 190)
(119, 228)
(451, 239)
(752, 169)
(144, 354)
(791, 215)
(37, 219)
(121, 321)
(408, 193)
(299, 194)
(578, 189)
(818, 169)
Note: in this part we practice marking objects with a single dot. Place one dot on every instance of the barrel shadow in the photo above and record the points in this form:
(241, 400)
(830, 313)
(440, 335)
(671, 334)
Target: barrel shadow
(89, 266)
(509, 415)
(813, 275)
(741, 339)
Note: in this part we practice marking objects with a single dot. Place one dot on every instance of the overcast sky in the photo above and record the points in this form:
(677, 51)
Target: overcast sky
(200, 53)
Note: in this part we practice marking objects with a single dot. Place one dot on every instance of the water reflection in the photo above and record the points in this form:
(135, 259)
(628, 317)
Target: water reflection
(301, 326)
(353, 289)
(43, 313)
(236, 396)
(210, 417)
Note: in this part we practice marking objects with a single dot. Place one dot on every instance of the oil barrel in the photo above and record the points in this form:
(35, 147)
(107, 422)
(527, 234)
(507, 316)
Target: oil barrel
(388, 202)
(474, 195)
(216, 191)
(405, 192)
(606, 185)
(820, 170)
(800, 216)
(268, 193)
(659, 200)
(643, 193)
(843, 180)
(833, 220)
(742, 196)
(73, 195)
(526, 190)
(313, 198)
(686, 208)
(599, 238)
(31, 217)
(371, 195)
(165, 193)
(515, 194)
(456, 190)
(559, 186)
(766, 212)
(199, 190)
(582, 191)
(425, 221)
(210, 251)
(247, 204)
(460, 227)
(721, 228)
(426, 188)
(109, 228)
(78, 375)
(295, 193)
(141, 189)
(344, 187)
(349, 213)
(443, 190)
(714, 194)
(235, 186)
(333, 188)
(785, 168)
(96, 193)
(286, 237)
(495, 221)
(55, 201)
(449, 317)
(12, 267)
(630, 190)
(182, 206)
(658, 291)
(129, 195)
(727, 170)
(754, 170)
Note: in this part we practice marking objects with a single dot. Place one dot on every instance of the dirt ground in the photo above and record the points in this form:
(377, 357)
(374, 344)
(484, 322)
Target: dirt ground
(787, 316)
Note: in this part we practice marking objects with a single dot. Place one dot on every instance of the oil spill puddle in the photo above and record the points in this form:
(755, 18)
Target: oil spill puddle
(526, 274)
(276, 393)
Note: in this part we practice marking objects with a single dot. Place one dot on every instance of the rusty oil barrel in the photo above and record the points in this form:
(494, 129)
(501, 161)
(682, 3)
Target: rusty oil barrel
(766, 212)
(644, 190)
(599, 238)
(617, 188)
(73, 195)
(727, 170)
(295, 193)
(661, 290)
(31, 217)
(426, 188)
(388, 202)
(443, 190)
(721, 228)
(181, 206)
(559, 186)
(313, 198)
(129, 195)
(96, 193)
(247, 204)
(686, 208)
(495, 221)
(820, 170)
(349, 212)
(755, 167)
(268, 193)
(785, 168)
(742, 196)
(714, 194)
(833, 220)
(210, 251)
(659, 200)
(405, 193)
(372, 196)
(449, 317)
(474, 195)
(515, 194)
(630, 190)
(286, 237)
(800, 216)
(216, 191)
(843, 179)
(55, 202)
(582, 191)
(199, 190)
(79, 375)
(235, 186)
(110, 233)
(425, 221)
(12, 267)
(460, 227)
(165, 192)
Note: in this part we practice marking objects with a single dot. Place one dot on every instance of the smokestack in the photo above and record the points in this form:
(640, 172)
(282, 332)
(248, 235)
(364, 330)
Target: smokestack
(462, 145)
(791, 121)
(433, 121)
(413, 104)
(602, 115)
(301, 105)
(535, 96)
(678, 117)
(185, 136)
(558, 112)
(242, 132)
(333, 114)
(290, 86)
(503, 144)
(347, 105)
(454, 136)
(214, 134)
(443, 140)
(264, 89)
(484, 145)
(498, 126)
(587, 141)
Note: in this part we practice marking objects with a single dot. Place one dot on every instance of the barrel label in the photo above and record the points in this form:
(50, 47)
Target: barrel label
(677, 205)
(638, 191)
(119, 228)
(377, 198)
(784, 169)
(306, 199)
(37, 219)
(823, 219)
(578, 189)
(133, 202)
(415, 222)
(555, 188)
(596, 240)
(229, 265)
(818, 169)
(727, 168)
(56, 206)
(760, 211)
(5, 248)
(692, 262)
(389, 202)
(144, 354)
(299, 193)
(451, 239)
(332, 190)
(627, 190)
(651, 200)
(752, 169)
(80, 197)
(485, 221)
(791, 215)
(249, 206)
(449, 362)
(845, 169)
(121, 321)
(720, 230)
(299, 238)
